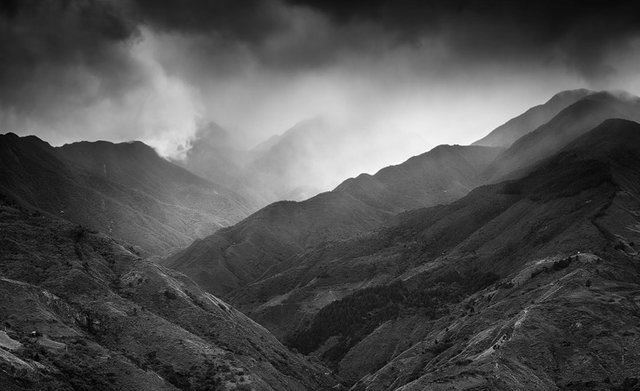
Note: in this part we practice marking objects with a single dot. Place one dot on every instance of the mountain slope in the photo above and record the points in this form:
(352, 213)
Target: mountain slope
(269, 240)
(439, 176)
(359, 304)
(82, 311)
(512, 130)
(569, 124)
(125, 190)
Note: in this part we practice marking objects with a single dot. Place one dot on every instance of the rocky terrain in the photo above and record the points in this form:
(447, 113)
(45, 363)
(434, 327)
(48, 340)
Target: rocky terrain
(351, 297)
(125, 190)
(83, 311)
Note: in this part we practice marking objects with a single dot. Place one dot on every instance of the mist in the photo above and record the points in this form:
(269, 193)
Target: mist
(393, 80)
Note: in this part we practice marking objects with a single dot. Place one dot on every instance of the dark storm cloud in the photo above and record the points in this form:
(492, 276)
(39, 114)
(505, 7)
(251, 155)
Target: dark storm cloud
(50, 48)
(154, 69)
(243, 20)
(44, 42)
(578, 33)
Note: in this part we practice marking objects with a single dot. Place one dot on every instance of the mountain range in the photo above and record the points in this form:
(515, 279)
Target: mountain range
(305, 269)
(509, 264)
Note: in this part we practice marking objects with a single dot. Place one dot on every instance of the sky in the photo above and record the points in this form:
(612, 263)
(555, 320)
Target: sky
(405, 75)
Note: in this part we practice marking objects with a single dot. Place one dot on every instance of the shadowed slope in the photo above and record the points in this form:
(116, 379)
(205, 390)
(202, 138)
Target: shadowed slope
(125, 190)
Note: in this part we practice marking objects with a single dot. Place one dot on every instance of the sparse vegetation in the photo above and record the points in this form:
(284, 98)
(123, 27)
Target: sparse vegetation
(357, 315)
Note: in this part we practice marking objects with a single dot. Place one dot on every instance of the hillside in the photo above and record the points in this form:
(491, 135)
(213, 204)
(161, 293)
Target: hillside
(439, 176)
(424, 298)
(82, 311)
(572, 122)
(269, 240)
(125, 190)
(505, 135)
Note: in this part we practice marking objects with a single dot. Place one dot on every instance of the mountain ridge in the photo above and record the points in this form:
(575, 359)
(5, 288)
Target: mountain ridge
(123, 189)
(506, 134)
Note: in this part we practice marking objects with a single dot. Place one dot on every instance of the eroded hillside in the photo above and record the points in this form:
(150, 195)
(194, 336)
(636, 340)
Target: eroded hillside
(83, 311)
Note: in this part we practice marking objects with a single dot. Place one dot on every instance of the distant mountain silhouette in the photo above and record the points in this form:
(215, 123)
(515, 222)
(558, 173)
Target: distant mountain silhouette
(311, 157)
(216, 156)
(285, 167)
(125, 189)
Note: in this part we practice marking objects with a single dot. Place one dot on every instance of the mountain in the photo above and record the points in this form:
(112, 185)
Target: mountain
(570, 123)
(216, 155)
(238, 256)
(290, 166)
(351, 296)
(268, 241)
(300, 163)
(450, 296)
(439, 176)
(512, 130)
(125, 190)
(556, 321)
(81, 310)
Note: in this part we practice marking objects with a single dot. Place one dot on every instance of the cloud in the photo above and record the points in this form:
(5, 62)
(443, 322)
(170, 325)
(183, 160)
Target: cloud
(426, 71)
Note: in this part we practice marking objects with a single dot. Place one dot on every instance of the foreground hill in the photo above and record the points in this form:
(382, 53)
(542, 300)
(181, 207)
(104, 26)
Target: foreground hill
(125, 190)
(512, 130)
(450, 296)
(266, 242)
(82, 311)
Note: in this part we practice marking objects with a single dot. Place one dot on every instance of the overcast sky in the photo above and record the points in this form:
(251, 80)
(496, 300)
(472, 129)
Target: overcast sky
(410, 74)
